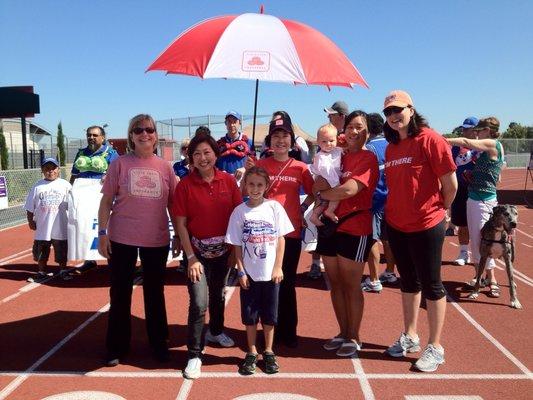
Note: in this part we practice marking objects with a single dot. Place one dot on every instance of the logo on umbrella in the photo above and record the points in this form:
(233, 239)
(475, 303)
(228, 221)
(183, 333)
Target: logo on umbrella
(255, 61)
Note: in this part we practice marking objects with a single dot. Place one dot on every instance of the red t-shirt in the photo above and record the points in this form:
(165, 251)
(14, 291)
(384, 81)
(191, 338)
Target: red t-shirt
(361, 166)
(412, 169)
(207, 206)
(285, 188)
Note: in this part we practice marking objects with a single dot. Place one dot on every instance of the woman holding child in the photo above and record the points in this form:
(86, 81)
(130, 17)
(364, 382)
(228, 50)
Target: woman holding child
(203, 203)
(345, 253)
(139, 180)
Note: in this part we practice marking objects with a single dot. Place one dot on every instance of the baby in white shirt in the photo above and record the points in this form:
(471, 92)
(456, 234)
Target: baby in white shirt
(327, 164)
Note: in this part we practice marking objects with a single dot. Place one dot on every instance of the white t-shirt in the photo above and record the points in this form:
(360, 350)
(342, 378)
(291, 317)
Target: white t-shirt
(256, 230)
(47, 200)
(328, 166)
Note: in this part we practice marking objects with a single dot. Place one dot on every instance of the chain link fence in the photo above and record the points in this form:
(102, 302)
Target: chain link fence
(19, 181)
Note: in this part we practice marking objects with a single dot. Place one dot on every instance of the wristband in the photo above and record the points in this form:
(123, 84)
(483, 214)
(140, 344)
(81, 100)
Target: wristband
(102, 232)
(240, 274)
(191, 256)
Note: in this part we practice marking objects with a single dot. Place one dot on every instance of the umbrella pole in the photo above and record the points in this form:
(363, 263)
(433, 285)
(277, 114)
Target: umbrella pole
(255, 114)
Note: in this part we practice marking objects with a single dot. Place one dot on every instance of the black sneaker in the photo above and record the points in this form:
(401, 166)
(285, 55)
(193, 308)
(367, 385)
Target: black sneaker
(248, 365)
(271, 365)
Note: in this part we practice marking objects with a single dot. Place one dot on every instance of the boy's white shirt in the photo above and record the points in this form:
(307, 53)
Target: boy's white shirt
(256, 230)
(47, 200)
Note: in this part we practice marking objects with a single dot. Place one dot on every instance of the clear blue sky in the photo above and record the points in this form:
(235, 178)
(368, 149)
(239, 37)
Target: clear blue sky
(86, 59)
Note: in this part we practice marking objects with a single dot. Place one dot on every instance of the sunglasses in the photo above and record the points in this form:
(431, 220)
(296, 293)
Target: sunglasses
(393, 110)
(184, 148)
(140, 130)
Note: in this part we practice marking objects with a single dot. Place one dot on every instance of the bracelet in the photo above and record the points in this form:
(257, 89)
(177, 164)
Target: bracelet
(102, 232)
(240, 274)
(191, 256)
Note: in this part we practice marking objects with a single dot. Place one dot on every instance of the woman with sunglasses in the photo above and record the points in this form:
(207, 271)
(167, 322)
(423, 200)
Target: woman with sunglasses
(345, 253)
(421, 178)
(139, 180)
(204, 201)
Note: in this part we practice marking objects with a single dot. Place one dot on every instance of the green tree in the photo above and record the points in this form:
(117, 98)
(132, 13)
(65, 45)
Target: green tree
(515, 131)
(61, 145)
(4, 155)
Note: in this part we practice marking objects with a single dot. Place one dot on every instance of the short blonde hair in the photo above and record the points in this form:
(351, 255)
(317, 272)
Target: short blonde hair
(133, 124)
(327, 128)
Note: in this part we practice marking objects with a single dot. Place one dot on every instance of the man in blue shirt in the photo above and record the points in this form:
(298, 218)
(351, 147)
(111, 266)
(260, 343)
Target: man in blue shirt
(234, 147)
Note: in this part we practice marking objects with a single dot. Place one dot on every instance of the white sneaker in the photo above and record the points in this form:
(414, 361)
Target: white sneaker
(222, 339)
(491, 264)
(462, 259)
(193, 369)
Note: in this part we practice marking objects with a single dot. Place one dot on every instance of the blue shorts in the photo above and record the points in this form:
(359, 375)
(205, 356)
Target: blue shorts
(260, 301)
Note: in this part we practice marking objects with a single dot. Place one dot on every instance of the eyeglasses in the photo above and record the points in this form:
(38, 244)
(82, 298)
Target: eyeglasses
(140, 130)
(393, 110)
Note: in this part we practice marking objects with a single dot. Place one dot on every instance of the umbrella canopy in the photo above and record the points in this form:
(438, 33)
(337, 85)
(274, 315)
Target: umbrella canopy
(259, 47)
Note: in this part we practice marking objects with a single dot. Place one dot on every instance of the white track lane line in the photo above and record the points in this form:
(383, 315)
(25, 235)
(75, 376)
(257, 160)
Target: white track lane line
(523, 233)
(368, 393)
(11, 227)
(20, 379)
(186, 386)
(16, 256)
(490, 338)
(30, 286)
(520, 276)
(262, 375)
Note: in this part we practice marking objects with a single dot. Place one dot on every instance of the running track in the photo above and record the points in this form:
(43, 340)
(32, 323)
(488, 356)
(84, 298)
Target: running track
(52, 338)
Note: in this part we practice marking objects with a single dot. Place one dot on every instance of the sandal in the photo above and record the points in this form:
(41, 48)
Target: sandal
(482, 283)
(494, 290)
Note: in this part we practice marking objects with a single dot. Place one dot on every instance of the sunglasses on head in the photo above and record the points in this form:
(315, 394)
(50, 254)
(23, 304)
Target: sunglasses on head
(393, 110)
(140, 130)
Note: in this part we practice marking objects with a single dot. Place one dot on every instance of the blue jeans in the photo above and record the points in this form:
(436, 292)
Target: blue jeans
(207, 292)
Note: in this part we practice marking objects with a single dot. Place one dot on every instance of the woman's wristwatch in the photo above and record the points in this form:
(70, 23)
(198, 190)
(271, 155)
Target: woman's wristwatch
(102, 232)
(240, 274)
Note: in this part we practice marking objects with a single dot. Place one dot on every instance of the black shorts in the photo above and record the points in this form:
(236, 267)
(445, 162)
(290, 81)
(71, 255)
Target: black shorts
(418, 258)
(260, 301)
(41, 250)
(353, 247)
(458, 208)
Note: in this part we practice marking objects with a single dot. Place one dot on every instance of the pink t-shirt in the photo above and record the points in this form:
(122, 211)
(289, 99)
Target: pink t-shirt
(142, 189)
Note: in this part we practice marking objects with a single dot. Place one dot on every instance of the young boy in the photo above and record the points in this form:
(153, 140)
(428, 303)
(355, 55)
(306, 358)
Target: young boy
(46, 210)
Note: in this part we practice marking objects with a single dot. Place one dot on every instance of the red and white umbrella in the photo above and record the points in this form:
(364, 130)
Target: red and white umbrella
(259, 47)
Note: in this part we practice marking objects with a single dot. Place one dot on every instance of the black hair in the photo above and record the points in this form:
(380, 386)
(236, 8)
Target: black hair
(375, 124)
(102, 131)
(199, 138)
(416, 123)
(354, 114)
(286, 117)
(203, 129)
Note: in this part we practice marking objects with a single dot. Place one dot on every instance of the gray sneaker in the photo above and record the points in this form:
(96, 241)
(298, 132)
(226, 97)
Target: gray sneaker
(431, 359)
(314, 272)
(405, 344)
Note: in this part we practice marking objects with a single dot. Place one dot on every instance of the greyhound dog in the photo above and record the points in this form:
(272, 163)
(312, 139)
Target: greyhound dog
(497, 242)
